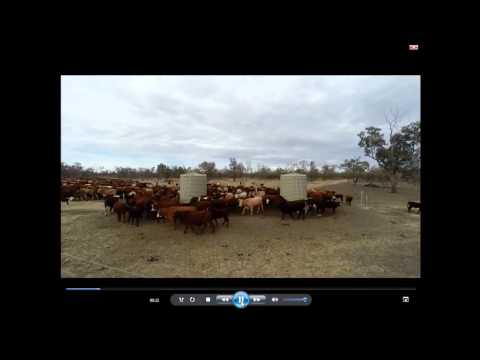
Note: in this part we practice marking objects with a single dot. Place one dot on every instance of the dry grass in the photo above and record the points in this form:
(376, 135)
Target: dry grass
(382, 241)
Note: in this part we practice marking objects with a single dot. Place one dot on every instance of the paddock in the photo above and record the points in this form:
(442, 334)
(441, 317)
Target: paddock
(381, 240)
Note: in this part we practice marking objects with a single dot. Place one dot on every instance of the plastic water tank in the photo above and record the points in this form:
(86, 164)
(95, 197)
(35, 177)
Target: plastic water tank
(293, 186)
(192, 185)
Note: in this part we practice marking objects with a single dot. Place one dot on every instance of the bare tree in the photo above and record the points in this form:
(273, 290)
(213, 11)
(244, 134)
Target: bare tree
(233, 166)
(303, 166)
(392, 118)
(248, 164)
(313, 172)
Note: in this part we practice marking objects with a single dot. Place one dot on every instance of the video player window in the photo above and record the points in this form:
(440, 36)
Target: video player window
(240, 176)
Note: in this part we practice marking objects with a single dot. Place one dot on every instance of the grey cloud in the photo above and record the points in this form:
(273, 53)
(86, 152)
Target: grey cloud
(195, 119)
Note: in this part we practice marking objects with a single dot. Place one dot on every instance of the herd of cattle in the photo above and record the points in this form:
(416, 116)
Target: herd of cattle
(133, 201)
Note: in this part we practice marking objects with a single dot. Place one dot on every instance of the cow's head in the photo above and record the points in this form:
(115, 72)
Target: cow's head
(240, 202)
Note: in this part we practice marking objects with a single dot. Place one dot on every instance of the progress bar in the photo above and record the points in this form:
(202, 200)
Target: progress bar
(286, 288)
(83, 289)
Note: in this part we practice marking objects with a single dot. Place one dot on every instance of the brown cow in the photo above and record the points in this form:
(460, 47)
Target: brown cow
(87, 193)
(320, 195)
(120, 208)
(173, 213)
(69, 191)
(143, 201)
(200, 205)
(197, 218)
(165, 203)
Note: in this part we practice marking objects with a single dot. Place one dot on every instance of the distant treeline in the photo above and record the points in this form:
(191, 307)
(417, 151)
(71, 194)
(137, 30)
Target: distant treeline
(351, 169)
(234, 170)
(396, 153)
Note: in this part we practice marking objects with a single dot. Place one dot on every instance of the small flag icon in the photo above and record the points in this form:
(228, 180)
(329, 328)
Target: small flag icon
(413, 47)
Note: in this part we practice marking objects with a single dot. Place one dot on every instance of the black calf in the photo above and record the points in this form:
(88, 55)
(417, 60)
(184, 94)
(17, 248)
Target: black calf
(323, 204)
(413, 204)
(290, 207)
(218, 213)
(328, 204)
(109, 202)
(134, 214)
(66, 199)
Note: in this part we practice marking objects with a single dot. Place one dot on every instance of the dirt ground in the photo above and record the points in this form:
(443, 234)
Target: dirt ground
(382, 240)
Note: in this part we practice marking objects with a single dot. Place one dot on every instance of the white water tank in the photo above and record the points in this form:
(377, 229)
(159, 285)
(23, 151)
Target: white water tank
(192, 185)
(293, 186)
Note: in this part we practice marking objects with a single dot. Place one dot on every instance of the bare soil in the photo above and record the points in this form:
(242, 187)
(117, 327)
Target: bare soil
(382, 240)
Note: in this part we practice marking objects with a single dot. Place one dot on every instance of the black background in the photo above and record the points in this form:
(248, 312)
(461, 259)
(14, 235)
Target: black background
(378, 53)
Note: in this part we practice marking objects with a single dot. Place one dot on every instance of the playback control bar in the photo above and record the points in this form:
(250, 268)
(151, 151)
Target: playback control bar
(241, 299)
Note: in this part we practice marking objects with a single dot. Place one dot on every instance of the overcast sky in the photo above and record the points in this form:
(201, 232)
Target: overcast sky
(141, 121)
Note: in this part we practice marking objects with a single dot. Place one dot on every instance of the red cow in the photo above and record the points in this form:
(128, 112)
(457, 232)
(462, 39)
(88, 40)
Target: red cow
(173, 213)
(120, 208)
(197, 218)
